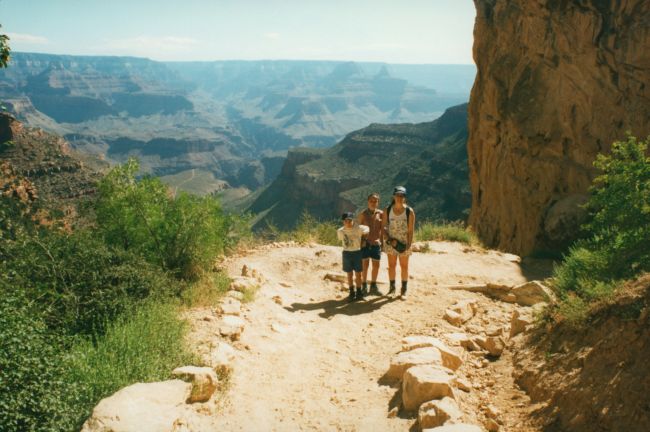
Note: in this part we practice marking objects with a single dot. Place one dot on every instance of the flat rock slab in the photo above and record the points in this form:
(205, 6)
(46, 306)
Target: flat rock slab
(229, 306)
(533, 292)
(231, 326)
(424, 383)
(450, 358)
(419, 356)
(150, 407)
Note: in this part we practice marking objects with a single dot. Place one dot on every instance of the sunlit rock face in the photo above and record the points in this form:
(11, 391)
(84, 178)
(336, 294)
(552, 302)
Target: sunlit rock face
(557, 82)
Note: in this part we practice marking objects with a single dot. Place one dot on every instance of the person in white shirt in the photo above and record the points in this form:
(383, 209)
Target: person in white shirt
(352, 236)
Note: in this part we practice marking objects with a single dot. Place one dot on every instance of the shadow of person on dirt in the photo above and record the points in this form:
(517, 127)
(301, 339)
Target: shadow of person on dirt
(343, 306)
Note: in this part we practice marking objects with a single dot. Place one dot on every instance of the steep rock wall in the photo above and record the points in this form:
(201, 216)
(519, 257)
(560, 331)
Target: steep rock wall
(558, 81)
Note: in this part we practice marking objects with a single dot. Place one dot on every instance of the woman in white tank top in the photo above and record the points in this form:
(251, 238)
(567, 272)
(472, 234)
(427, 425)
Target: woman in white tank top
(398, 223)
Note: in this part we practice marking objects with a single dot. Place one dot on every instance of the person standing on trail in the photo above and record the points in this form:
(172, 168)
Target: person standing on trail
(371, 217)
(398, 223)
(352, 236)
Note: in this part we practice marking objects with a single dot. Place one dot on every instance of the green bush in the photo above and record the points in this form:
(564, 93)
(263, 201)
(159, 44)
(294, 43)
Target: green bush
(76, 282)
(182, 234)
(33, 393)
(618, 231)
(144, 346)
(449, 231)
(308, 230)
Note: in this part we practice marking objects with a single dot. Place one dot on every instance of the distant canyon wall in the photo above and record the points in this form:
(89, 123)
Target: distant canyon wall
(557, 82)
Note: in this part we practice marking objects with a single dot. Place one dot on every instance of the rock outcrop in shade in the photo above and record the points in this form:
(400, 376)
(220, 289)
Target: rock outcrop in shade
(557, 83)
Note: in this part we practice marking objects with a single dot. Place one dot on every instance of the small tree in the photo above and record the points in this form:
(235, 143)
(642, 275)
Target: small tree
(619, 226)
(182, 234)
(4, 50)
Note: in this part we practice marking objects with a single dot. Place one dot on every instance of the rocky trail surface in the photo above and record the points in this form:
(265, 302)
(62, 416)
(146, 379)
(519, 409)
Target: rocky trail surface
(305, 358)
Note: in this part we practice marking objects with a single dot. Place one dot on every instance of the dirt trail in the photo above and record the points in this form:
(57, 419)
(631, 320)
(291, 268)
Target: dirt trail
(309, 360)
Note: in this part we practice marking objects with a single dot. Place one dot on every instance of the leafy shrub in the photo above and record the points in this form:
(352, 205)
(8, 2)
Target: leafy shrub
(32, 391)
(77, 283)
(182, 234)
(144, 346)
(618, 232)
(449, 231)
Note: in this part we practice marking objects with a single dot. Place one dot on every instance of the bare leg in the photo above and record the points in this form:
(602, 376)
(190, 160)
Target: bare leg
(404, 267)
(375, 270)
(358, 275)
(350, 279)
(392, 263)
(366, 264)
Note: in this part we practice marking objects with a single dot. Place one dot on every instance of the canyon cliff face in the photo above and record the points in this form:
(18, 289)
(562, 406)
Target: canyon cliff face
(558, 81)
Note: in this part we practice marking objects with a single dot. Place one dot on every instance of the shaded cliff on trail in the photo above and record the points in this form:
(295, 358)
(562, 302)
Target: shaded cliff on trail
(430, 159)
(557, 82)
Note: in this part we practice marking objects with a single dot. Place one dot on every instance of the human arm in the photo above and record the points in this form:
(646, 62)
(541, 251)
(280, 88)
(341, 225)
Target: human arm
(411, 228)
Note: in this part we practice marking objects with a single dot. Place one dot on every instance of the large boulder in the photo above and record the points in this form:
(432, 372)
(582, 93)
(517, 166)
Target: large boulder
(419, 356)
(203, 379)
(438, 412)
(424, 383)
(533, 292)
(450, 358)
(150, 407)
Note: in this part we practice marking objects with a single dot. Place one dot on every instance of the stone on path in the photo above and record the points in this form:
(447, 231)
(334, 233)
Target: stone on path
(460, 427)
(450, 359)
(203, 379)
(419, 356)
(519, 322)
(463, 384)
(424, 383)
(223, 357)
(438, 412)
(231, 326)
(229, 306)
(235, 294)
(150, 407)
(460, 312)
(242, 283)
(533, 292)
(492, 344)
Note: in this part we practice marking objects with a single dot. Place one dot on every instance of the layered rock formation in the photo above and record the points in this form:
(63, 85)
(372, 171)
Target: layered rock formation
(557, 83)
(429, 158)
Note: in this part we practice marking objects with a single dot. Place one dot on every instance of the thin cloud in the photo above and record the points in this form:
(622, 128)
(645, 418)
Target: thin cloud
(149, 46)
(27, 39)
(272, 35)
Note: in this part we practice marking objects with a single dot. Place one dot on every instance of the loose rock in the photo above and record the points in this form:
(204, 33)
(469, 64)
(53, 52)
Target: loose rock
(229, 306)
(519, 322)
(203, 379)
(223, 357)
(533, 292)
(450, 358)
(438, 412)
(420, 356)
(231, 326)
(423, 383)
(492, 344)
(149, 407)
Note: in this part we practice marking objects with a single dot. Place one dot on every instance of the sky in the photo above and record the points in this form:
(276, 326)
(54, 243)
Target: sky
(392, 31)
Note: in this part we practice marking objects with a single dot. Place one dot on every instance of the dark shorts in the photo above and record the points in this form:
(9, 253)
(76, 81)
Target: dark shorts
(372, 252)
(352, 261)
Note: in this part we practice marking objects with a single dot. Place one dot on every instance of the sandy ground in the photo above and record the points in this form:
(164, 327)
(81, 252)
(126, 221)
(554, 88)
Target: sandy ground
(310, 360)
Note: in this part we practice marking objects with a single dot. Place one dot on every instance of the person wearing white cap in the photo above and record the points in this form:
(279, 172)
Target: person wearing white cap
(352, 236)
(398, 223)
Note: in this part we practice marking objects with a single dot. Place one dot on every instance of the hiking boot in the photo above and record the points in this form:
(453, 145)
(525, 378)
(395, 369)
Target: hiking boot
(360, 293)
(351, 297)
(391, 291)
(365, 289)
(403, 294)
(373, 289)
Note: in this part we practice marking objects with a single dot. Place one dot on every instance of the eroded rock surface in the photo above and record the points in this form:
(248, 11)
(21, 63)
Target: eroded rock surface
(557, 83)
